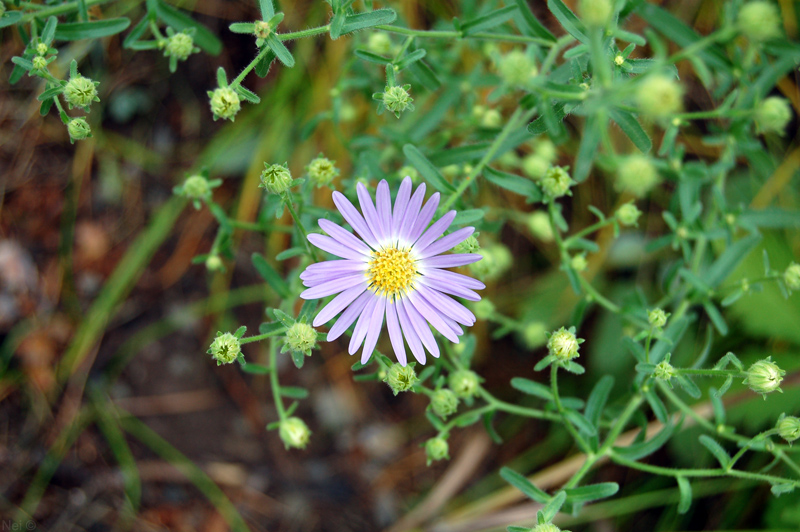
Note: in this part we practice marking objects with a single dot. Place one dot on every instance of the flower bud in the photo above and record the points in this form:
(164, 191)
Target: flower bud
(294, 433)
(764, 377)
(444, 402)
(657, 318)
(401, 378)
(322, 171)
(579, 263)
(791, 277)
(759, 21)
(540, 227)
(564, 345)
(379, 43)
(534, 335)
(410, 172)
(196, 187)
(637, 175)
(483, 309)
(180, 46)
(262, 29)
(42, 49)
(628, 214)
(556, 182)
(39, 63)
(789, 428)
(436, 449)
(535, 166)
(225, 348)
(773, 114)
(80, 92)
(546, 527)
(659, 96)
(224, 103)
(516, 68)
(301, 338)
(545, 149)
(469, 245)
(491, 119)
(275, 178)
(213, 263)
(497, 259)
(396, 99)
(596, 13)
(664, 371)
(78, 129)
(464, 383)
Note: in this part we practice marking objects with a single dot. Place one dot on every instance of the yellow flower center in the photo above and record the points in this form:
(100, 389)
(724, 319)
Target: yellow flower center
(391, 271)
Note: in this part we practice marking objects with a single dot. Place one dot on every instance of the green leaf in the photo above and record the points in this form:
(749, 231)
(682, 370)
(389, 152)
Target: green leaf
(581, 423)
(75, 31)
(716, 449)
(247, 94)
(487, 424)
(336, 25)
(646, 448)
(256, 369)
(262, 67)
(281, 52)
(298, 359)
(428, 171)
(372, 58)
(488, 21)
(686, 494)
(410, 59)
(49, 31)
(568, 20)
(688, 386)
(524, 485)
(631, 127)
(21, 61)
(529, 24)
(267, 9)
(590, 140)
(10, 18)
(591, 492)
(273, 327)
(362, 21)
(657, 406)
(771, 217)
(468, 216)
(425, 75)
(781, 488)
(242, 27)
(730, 260)
(282, 317)
(294, 392)
(289, 253)
(50, 93)
(597, 399)
(268, 273)
(716, 317)
(551, 509)
(137, 31)
(540, 125)
(203, 37)
(514, 183)
(465, 420)
(530, 387)
(46, 106)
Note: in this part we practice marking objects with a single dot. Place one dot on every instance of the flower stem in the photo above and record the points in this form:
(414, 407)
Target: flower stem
(287, 200)
(273, 380)
(260, 337)
(574, 433)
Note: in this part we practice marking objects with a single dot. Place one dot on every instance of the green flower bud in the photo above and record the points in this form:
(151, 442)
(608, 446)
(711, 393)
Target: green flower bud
(791, 277)
(464, 383)
(637, 175)
(224, 103)
(491, 119)
(628, 214)
(596, 12)
(759, 21)
(578, 263)
(179, 45)
(396, 99)
(773, 114)
(556, 183)
(546, 527)
(483, 309)
(444, 402)
(545, 149)
(294, 433)
(401, 378)
(478, 111)
(80, 92)
(534, 334)
(39, 63)
(42, 49)
(789, 428)
(276, 178)
(78, 129)
(470, 245)
(262, 29)
(564, 345)
(225, 348)
(516, 68)
(535, 166)
(409, 171)
(659, 97)
(379, 43)
(497, 259)
(540, 226)
(213, 263)
(764, 377)
(436, 449)
(321, 171)
(196, 187)
(664, 371)
(301, 338)
(657, 318)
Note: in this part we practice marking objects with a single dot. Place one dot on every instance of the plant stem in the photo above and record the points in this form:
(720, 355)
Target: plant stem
(258, 338)
(58, 10)
(287, 200)
(273, 380)
(573, 432)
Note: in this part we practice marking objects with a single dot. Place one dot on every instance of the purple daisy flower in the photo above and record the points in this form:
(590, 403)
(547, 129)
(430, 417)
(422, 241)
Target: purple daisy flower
(394, 272)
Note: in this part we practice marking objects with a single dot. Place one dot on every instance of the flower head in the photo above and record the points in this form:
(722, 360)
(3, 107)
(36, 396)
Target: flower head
(516, 68)
(637, 175)
(791, 276)
(564, 345)
(301, 338)
(628, 214)
(659, 96)
(556, 183)
(444, 402)
(764, 377)
(759, 21)
(464, 383)
(394, 272)
(78, 129)
(657, 318)
(80, 92)
(789, 428)
(294, 433)
(401, 378)
(225, 348)
(773, 114)
(436, 449)
(225, 103)
(396, 99)
(275, 178)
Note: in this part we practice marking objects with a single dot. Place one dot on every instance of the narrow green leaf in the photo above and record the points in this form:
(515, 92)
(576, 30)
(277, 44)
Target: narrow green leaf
(489, 426)
(529, 24)
(362, 21)
(592, 492)
(781, 488)
(372, 58)
(289, 253)
(262, 67)
(337, 22)
(294, 392)
(410, 59)
(83, 12)
(631, 127)
(524, 485)
(425, 75)
(10, 18)
(551, 509)
(247, 94)
(470, 418)
(428, 171)
(273, 327)
(597, 399)
(590, 140)
(581, 423)
(488, 21)
(730, 259)
(256, 369)
(242, 27)
(282, 317)
(267, 9)
(514, 183)
(50, 93)
(657, 406)
(203, 37)
(568, 20)
(686, 494)
(298, 359)
(716, 317)
(281, 52)
(540, 125)
(269, 274)
(135, 33)
(75, 31)
(21, 61)
(468, 216)
(46, 106)
(49, 31)
(716, 449)
(530, 387)
(646, 448)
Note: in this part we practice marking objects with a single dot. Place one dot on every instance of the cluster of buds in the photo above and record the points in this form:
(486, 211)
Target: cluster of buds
(517, 69)
(657, 318)
(659, 97)
(556, 183)
(301, 338)
(444, 402)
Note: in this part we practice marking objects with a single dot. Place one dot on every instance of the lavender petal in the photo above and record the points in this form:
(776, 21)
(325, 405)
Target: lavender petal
(362, 325)
(338, 303)
(395, 334)
(326, 243)
(424, 218)
(434, 232)
(410, 334)
(346, 238)
(370, 214)
(349, 316)
(454, 260)
(432, 315)
(354, 218)
(374, 329)
(333, 286)
(421, 327)
(446, 243)
(400, 204)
